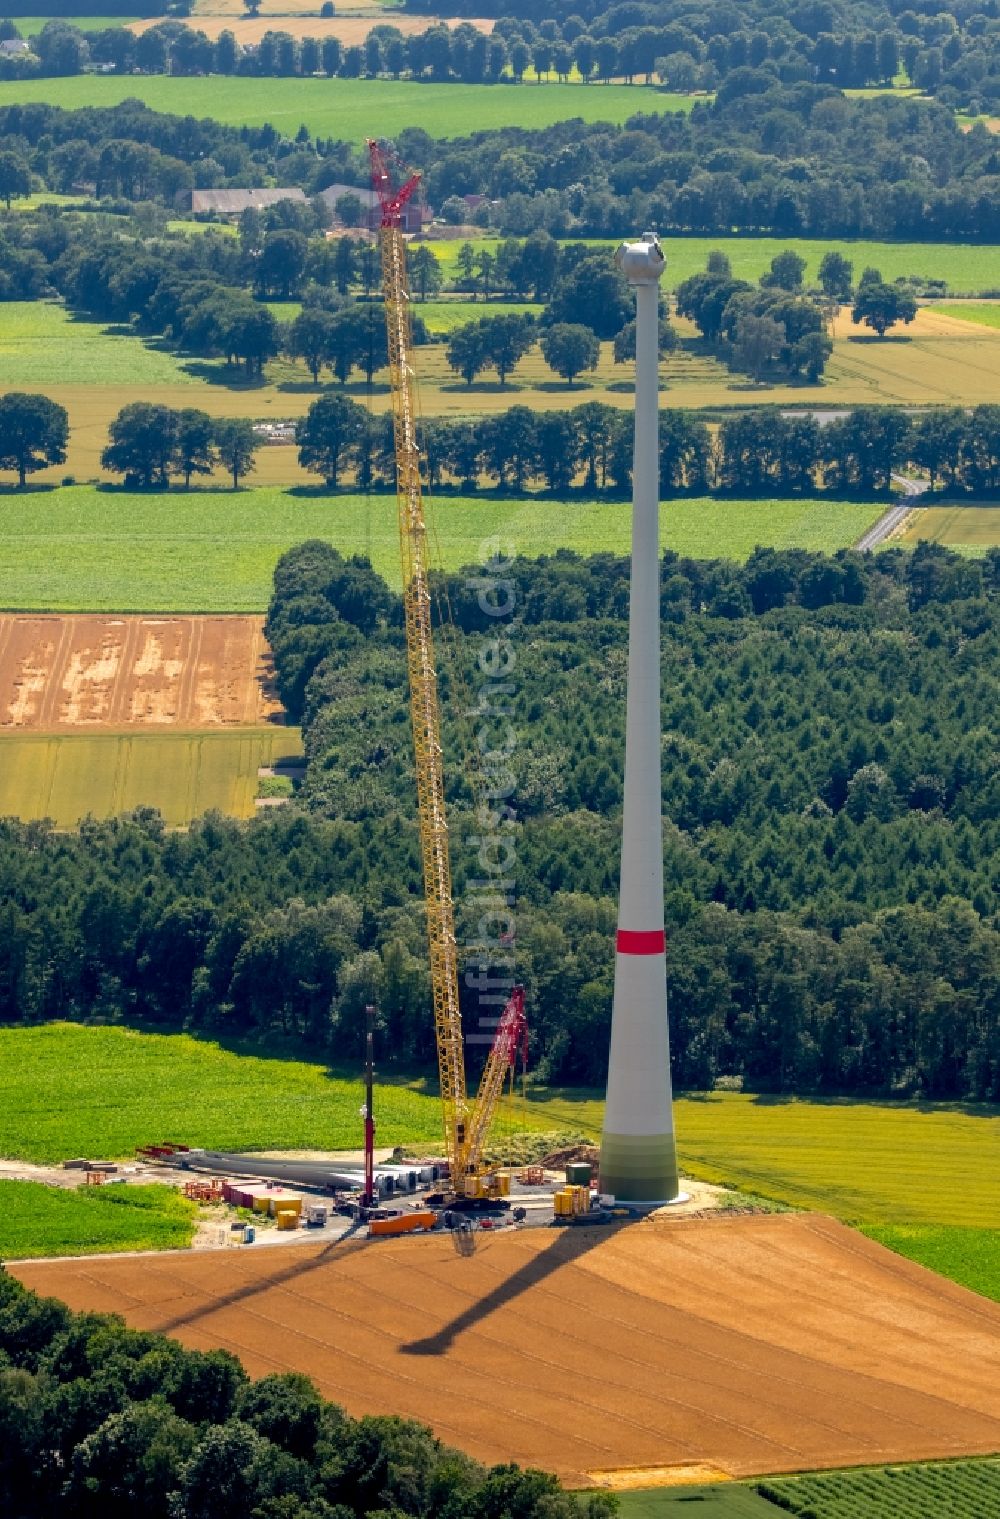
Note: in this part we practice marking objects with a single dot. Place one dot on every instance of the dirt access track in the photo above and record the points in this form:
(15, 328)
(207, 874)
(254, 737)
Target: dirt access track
(741, 1346)
(92, 672)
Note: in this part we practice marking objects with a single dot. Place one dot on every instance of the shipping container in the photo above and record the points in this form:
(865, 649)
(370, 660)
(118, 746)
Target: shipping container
(403, 1223)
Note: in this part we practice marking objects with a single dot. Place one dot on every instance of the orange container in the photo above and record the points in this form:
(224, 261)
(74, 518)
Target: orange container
(403, 1223)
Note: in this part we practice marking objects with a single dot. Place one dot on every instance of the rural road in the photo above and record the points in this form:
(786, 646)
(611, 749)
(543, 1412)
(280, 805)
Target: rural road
(895, 516)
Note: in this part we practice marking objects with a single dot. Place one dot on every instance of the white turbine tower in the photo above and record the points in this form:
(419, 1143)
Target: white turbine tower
(638, 1152)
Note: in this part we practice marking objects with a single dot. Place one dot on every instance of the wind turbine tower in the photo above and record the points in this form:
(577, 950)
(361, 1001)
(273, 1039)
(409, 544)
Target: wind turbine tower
(638, 1151)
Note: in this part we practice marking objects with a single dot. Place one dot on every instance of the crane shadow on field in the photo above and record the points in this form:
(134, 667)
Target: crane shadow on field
(567, 1248)
(347, 1244)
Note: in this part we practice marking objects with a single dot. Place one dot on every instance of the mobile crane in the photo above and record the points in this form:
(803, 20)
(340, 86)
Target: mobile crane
(466, 1124)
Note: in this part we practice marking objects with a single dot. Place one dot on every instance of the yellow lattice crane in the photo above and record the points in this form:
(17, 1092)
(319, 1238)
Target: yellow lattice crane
(466, 1124)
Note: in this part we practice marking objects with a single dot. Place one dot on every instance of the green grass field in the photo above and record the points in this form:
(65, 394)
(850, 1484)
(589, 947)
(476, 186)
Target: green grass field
(957, 1489)
(66, 1090)
(38, 1220)
(961, 527)
(30, 26)
(724, 1500)
(966, 267)
(445, 316)
(77, 548)
(65, 778)
(969, 1256)
(984, 314)
(42, 345)
(875, 1164)
(348, 108)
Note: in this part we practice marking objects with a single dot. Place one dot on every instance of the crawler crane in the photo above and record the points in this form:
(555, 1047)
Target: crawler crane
(466, 1123)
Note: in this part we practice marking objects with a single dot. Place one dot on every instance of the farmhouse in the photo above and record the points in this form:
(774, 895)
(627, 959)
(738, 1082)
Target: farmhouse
(14, 47)
(412, 219)
(235, 202)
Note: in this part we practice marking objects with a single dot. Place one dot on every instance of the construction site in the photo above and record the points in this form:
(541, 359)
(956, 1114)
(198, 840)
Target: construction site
(592, 1316)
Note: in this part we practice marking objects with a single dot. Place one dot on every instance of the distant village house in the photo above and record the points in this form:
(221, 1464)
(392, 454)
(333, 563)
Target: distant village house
(235, 202)
(414, 217)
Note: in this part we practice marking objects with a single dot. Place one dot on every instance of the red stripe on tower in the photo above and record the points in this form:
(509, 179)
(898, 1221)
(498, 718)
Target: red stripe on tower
(642, 942)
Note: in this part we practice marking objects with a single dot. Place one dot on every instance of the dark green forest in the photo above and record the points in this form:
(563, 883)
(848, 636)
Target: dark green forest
(792, 159)
(831, 801)
(98, 1421)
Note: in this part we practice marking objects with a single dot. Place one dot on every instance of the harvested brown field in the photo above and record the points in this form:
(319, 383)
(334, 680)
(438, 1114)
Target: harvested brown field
(89, 672)
(749, 1345)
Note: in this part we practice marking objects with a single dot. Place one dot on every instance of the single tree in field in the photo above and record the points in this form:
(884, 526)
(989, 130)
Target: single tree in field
(309, 339)
(595, 293)
(485, 271)
(835, 273)
(465, 265)
(569, 348)
(785, 273)
(329, 432)
(466, 351)
(759, 341)
(282, 262)
(880, 306)
(557, 448)
(143, 443)
(350, 209)
(345, 264)
(624, 347)
(507, 339)
(15, 177)
(252, 7)
(195, 443)
(237, 444)
(425, 272)
(33, 433)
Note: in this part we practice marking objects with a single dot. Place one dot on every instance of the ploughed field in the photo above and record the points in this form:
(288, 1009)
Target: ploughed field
(96, 672)
(742, 1346)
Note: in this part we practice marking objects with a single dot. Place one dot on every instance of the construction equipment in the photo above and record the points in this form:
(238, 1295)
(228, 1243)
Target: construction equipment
(465, 1124)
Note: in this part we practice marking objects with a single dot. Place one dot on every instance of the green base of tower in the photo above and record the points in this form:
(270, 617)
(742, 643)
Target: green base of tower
(639, 1168)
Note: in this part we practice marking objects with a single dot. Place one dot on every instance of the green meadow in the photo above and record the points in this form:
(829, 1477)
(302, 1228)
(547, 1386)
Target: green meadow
(66, 1090)
(41, 344)
(30, 26)
(78, 548)
(350, 108)
(919, 1165)
(984, 314)
(967, 268)
(40, 1220)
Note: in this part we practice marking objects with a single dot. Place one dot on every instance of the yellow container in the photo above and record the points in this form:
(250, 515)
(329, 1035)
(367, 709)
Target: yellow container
(581, 1199)
(503, 1183)
(280, 1204)
(562, 1202)
(262, 1202)
(288, 1218)
(475, 1186)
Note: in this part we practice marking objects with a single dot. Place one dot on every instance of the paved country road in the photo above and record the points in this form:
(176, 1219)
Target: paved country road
(895, 516)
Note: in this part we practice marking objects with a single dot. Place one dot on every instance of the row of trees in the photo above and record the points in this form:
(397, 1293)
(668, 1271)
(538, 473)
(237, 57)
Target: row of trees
(102, 1420)
(964, 63)
(754, 452)
(148, 444)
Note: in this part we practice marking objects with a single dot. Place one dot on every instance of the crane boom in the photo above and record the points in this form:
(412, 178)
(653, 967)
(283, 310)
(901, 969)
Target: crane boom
(466, 1127)
(420, 664)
